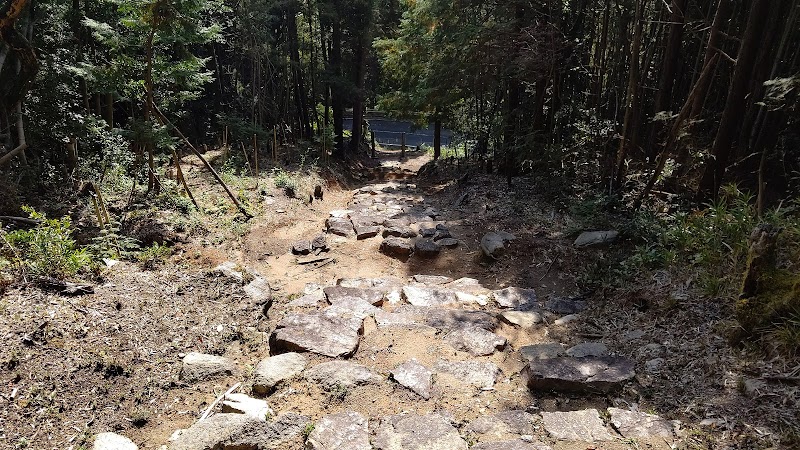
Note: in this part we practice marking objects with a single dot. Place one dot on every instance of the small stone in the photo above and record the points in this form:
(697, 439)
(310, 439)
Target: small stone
(343, 431)
(366, 231)
(199, 366)
(442, 234)
(427, 248)
(301, 248)
(415, 432)
(584, 425)
(493, 244)
(260, 293)
(432, 279)
(632, 424)
(271, 371)
(340, 374)
(113, 441)
(523, 319)
(514, 297)
(397, 247)
(320, 243)
(584, 375)
(400, 232)
(244, 404)
(449, 242)
(542, 351)
(476, 341)
(424, 296)
(654, 365)
(588, 349)
(566, 319)
(414, 376)
(476, 373)
(231, 270)
(340, 227)
(427, 232)
(341, 213)
(590, 238)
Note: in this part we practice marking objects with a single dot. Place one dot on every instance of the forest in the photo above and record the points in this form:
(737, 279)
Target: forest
(674, 122)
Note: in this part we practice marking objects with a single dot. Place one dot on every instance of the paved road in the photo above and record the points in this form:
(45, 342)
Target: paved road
(390, 132)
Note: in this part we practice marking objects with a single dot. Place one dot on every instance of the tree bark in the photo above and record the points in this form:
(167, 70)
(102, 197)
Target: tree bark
(736, 101)
(300, 94)
(14, 90)
(714, 38)
(669, 68)
(632, 100)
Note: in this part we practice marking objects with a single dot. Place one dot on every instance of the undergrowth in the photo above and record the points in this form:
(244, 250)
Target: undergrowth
(709, 245)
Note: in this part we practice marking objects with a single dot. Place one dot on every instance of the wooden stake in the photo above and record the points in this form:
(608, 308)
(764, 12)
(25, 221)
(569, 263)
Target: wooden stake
(182, 179)
(275, 142)
(403, 146)
(164, 121)
(255, 155)
(246, 158)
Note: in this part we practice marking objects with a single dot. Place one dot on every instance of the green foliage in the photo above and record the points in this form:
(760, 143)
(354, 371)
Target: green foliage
(286, 181)
(47, 249)
(153, 257)
(111, 243)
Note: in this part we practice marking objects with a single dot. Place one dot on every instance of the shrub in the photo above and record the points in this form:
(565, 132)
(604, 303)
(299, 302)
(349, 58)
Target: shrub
(46, 250)
(152, 257)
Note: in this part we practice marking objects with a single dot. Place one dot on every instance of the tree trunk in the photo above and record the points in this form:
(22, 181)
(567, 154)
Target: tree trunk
(669, 68)
(300, 94)
(337, 100)
(14, 90)
(632, 100)
(360, 74)
(148, 108)
(736, 101)
(714, 38)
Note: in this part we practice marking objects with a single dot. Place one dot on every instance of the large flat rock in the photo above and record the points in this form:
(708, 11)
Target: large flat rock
(339, 374)
(112, 441)
(479, 374)
(370, 295)
(503, 425)
(590, 238)
(590, 374)
(340, 227)
(414, 376)
(429, 297)
(271, 371)
(634, 424)
(326, 333)
(517, 298)
(449, 319)
(584, 425)
(415, 432)
(476, 341)
(200, 366)
(239, 431)
(343, 431)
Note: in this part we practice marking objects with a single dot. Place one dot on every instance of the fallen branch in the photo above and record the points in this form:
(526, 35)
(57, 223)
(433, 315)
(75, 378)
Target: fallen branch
(216, 402)
(23, 220)
(303, 262)
(10, 155)
(164, 121)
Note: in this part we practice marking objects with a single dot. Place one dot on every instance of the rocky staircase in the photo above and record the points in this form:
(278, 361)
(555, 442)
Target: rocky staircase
(424, 362)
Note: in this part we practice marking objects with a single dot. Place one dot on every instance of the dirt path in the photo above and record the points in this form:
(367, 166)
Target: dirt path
(369, 340)
(367, 347)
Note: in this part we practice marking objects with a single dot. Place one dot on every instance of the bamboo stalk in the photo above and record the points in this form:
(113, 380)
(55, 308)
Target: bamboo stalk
(246, 158)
